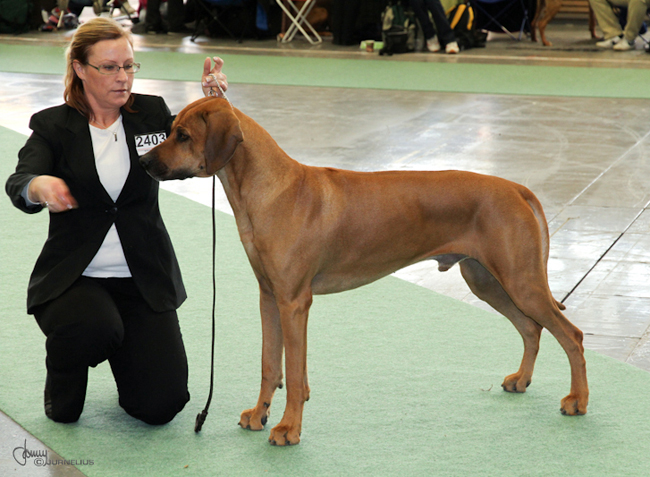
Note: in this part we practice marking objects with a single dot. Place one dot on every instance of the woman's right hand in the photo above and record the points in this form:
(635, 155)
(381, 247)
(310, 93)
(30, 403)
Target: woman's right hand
(213, 77)
(51, 192)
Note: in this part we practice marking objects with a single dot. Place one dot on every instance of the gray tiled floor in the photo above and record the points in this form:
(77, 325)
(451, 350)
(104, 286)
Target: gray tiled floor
(585, 158)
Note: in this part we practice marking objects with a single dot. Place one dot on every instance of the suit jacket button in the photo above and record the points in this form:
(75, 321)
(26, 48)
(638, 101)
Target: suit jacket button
(112, 211)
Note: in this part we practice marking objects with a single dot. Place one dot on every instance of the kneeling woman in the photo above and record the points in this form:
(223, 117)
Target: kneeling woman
(106, 285)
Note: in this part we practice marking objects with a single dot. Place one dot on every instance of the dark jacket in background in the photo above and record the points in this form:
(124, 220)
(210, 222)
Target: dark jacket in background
(356, 20)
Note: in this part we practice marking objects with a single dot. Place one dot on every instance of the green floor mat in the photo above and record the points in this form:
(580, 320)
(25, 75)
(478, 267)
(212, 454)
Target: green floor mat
(404, 381)
(363, 73)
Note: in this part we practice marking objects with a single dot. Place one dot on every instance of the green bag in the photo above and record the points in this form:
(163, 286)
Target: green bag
(398, 29)
(14, 16)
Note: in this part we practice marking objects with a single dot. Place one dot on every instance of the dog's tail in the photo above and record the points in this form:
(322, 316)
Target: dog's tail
(537, 209)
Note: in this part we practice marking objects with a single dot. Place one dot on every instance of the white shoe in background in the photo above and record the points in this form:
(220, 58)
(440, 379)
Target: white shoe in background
(452, 48)
(609, 43)
(624, 45)
(433, 44)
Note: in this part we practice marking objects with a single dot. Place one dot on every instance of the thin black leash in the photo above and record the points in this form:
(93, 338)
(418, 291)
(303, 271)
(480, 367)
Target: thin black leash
(201, 417)
(606, 252)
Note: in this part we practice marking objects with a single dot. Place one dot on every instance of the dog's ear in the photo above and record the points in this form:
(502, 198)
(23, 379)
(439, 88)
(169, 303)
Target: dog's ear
(224, 135)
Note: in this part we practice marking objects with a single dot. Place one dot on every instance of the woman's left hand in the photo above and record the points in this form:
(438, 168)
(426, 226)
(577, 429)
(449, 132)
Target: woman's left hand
(212, 76)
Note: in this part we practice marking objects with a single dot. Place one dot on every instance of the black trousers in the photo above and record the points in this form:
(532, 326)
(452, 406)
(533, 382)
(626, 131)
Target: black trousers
(421, 9)
(175, 14)
(100, 319)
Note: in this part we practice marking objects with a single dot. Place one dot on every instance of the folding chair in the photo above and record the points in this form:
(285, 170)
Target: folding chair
(503, 16)
(123, 7)
(298, 18)
(217, 13)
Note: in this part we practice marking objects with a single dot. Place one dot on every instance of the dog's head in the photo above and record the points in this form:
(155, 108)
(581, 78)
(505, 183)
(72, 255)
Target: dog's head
(204, 137)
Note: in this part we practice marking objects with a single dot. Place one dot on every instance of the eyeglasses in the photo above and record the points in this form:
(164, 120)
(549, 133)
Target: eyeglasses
(114, 69)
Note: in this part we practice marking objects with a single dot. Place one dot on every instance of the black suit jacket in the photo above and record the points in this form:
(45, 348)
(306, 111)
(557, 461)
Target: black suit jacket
(60, 145)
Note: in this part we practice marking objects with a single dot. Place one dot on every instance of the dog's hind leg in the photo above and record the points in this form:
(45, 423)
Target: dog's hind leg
(487, 288)
(552, 8)
(547, 313)
(272, 346)
(532, 296)
(535, 21)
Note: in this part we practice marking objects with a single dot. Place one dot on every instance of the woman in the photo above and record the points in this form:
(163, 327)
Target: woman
(106, 284)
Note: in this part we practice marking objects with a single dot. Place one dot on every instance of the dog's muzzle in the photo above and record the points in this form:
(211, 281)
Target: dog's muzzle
(160, 171)
(153, 166)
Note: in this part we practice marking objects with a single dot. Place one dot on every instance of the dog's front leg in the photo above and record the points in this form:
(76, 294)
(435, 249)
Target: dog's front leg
(255, 419)
(294, 315)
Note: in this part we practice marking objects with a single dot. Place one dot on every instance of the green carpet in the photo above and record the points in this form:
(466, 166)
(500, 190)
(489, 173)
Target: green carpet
(404, 381)
(371, 73)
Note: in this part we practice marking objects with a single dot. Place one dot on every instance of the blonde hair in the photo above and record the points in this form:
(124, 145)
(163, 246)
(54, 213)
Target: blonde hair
(86, 36)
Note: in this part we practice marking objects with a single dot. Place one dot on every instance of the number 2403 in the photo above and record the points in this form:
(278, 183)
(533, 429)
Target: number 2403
(150, 139)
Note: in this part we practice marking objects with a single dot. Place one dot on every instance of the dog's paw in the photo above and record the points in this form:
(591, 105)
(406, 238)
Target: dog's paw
(515, 383)
(574, 405)
(282, 435)
(252, 420)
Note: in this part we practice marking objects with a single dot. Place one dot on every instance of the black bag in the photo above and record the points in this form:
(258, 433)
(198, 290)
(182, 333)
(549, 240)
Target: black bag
(398, 29)
(463, 22)
(14, 16)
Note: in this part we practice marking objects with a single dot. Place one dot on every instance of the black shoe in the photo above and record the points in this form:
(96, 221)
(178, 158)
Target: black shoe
(157, 29)
(139, 28)
(180, 29)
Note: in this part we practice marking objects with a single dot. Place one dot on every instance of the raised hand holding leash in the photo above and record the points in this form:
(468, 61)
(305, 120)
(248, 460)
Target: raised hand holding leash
(214, 93)
(201, 417)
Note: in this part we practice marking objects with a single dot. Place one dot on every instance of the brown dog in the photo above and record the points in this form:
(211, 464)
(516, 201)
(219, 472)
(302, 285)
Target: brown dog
(545, 12)
(314, 230)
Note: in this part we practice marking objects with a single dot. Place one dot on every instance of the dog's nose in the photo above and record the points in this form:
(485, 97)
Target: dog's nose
(152, 165)
(145, 160)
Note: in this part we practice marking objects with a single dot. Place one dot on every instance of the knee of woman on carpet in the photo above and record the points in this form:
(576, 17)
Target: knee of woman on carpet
(71, 349)
(65, 393)
(156, 409)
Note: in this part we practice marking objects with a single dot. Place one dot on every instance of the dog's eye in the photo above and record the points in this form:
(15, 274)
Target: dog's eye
(181, 137)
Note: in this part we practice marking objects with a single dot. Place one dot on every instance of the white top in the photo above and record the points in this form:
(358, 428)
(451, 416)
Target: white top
(113, 165)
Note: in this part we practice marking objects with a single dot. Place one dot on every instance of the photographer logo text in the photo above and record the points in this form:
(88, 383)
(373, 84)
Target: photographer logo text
(23, 456)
